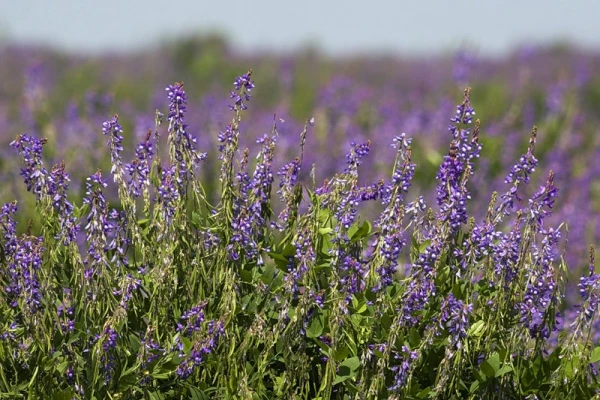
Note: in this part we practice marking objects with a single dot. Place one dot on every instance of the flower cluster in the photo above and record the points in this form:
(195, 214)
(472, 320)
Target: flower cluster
(139, 168)
(34, 174)
(243, 85)
(455, 319)
(182, 145)
(114, 130)
(98, 226)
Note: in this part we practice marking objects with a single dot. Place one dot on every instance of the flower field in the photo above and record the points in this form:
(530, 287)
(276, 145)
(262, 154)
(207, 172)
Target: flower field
(313, 228)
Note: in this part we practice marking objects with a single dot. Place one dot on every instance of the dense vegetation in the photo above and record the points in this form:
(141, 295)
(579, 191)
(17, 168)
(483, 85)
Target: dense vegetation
(288, 269)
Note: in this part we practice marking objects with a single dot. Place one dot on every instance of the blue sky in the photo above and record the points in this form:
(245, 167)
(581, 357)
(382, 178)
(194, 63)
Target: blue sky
(338, 27)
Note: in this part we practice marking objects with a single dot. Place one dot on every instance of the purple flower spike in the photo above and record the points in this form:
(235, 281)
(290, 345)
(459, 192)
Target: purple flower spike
(243, 85)
(114, 142)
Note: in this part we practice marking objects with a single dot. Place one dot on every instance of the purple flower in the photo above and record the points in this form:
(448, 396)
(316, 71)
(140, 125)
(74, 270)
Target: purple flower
(401, 367)
(58, 185)
(542, 202)
(541, 292)
(250, 206)
(391, 240)
(115, 143)
(34, 174)
(455, 319)
(66, 313)
(202, 347)
(98, 226)
(243, 85)
(589, 290)
(22, 274)
(287, 192)
(353, 158)
(452, 194)
(300, 263)
(139, 168)
(520, 172)
(109, 344)
(182, 145)
(168, 195)
(8, 228)
(353, 273)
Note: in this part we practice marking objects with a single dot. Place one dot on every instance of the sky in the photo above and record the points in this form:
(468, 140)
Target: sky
(337, 27)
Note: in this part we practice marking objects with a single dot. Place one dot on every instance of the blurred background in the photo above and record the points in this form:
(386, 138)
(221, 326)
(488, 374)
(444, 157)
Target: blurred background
(362, 70)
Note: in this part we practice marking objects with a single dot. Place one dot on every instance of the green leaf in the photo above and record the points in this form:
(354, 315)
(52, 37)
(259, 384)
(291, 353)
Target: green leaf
(414, 339)
(503, 371)
(196, 218)
(344, 372)
(325, 231)
(425, 393)
(196, 394)
(143, 222)
(595, 355)
(316, 326)
(359, 232)
(341, 353)
(156, 396)
(424, 245)
(476, 330)
(134, 342)
(187, 345)
(67, 394)
(353, 363)
(62, 367)
(491, 366)
(474, 387)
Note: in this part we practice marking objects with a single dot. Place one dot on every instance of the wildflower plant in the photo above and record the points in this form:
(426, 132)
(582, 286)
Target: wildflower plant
(284, 289)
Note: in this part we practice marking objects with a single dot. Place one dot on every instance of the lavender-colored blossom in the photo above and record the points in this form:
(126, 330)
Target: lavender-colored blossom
(23, 275)
(418, 293)
(8, 227)
(139, 168)
(455, 319)
(168, 195)
(58, 184)
(542, 202)
(98, 226)
(182, 144)
(520, 172)
(287, 188)
(589, 290)
(506, 254)
(118, 240)
(129, 286)
(540, 293)
(150, 349)
(193, 320)
(34, 174)
(352, 276)
(457, 167)
(391, 240)
(250, 207)
(299, 265)
(401, 367)
(243, 85)
(114, 131)
(66, 313)
(109, 344)
(201, 348)
(353, 158)
(227, 138)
